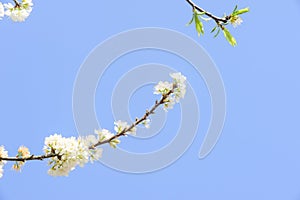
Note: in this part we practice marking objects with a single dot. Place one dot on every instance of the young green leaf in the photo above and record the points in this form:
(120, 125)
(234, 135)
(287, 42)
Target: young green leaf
(191, 21)
(235, 8)
(217, 32)
(213, 29)
(241, 11)
(199, 25)
(229, 37)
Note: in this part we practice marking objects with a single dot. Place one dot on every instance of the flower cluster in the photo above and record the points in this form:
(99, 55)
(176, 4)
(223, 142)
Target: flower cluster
(105, 135)
(173, 91)
(236, 21)
(235, 18)
(18, 12)
(121, 126)
(1, 10)
(69, 152)
(23, 152)
(3, 154)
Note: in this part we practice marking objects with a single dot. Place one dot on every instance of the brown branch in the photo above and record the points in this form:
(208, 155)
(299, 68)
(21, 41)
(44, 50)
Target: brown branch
(137, 121)
(17, 3)
(32, 157)
(218, 20)
(122, 133)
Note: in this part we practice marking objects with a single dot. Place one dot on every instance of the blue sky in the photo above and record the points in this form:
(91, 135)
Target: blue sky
(257, 156)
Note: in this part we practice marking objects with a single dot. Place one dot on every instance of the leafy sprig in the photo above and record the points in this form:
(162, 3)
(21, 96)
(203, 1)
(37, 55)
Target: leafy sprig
(221, 22)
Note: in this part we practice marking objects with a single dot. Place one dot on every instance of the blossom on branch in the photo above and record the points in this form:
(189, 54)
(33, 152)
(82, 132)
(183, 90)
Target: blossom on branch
(20, 11)
(70, 153)
(1, 10)
(106, 135)
(65, 154)
(121, 126)
(236, 21)
(3, 154)
(172, 92)
(23, 152)
(146, 123)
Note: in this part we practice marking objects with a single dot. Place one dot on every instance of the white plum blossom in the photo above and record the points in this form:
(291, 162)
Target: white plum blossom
(27, 5)
(120, 126)
(1, 10)
(163, 87)
(94, 152)
(104, 135)
(236, 20)
(169, 103)
(178, 78)
(178, 88)
(3, 154)
(71, 152)
(146, 123)
(23, 152)
(20, 11)
(90, 140)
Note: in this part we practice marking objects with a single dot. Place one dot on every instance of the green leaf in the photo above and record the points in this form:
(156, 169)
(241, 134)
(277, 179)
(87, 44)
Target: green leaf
(213, 29)
(235, 8)
(199, 25)
(241, 11)
(217, 32)
(229, 37)
(191, 21)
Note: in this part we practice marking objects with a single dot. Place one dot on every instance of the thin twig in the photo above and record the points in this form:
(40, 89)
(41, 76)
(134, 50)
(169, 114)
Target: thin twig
(32, 157)
(122, 133)
(17, 3)
(217, 19)
(137, 121)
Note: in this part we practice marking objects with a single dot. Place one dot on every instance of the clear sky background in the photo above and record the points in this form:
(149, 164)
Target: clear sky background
(258, 154)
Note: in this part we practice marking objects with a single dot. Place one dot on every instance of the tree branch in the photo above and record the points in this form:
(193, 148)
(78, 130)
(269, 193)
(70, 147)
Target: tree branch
(217, 19)
(32, 157)
(122, 133)
(137, 121)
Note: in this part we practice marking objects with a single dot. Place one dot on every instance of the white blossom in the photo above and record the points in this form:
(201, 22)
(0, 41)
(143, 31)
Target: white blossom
(1, 10)
(71, 152)
(90, 140)
(19, 12)
(163, 87)
(179, 89)
(27, 5)
(146, 123)
(236, 20)
(121, 125)
(3, 154)
(23, 152)
(105, 134)
(94, 152)
(178, 77)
